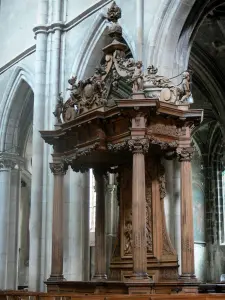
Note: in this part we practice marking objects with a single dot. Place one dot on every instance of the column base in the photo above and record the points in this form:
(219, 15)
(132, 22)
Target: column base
(186, 277)
(55, 278)
(140, 277)
(99, 277)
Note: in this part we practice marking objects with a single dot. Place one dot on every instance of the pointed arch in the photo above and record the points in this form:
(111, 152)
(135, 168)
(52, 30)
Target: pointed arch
(166, 37)
(21, 83)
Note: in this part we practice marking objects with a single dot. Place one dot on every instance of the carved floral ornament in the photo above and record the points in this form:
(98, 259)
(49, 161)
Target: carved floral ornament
(185, 154)
(58, 168)
(95, 91)
(139, 145)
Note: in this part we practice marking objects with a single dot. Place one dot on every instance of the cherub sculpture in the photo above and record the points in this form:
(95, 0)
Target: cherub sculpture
(186, 87)
(137, 77)
(58, 109)
(97, 79)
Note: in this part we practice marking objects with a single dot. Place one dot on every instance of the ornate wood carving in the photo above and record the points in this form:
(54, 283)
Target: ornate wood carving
(138, 145)
(185, 154)
(148, 187)
(58, 168)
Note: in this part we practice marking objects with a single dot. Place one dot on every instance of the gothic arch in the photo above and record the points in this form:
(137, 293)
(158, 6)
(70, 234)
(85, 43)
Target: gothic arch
(173, 37)
(166, 35)
(18, 110)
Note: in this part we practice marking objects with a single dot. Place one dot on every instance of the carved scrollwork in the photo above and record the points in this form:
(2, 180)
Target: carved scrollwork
(185, 154)
(163, 129)
(138, 145)
(148, 180)
(58, 168)
(162, 182)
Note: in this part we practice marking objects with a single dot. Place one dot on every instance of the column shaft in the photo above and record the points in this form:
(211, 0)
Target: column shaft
(4, 215)
(187, 235)
(58, 170)
(139, 216)
(187, 239)
(38, 149)
(12, 259)
(100, 245)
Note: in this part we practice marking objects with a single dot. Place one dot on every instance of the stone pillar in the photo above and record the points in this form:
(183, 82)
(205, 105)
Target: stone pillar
(59, 170)
(187, 235)
(38, 149)
(112, 213)
(13, 223)
(140, 28)
(139, 147)
(100, 245)
(57, 27)
(5, 180)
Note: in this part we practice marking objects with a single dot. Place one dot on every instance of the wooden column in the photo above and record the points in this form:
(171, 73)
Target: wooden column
(139, 147)
(187, 234)
(59, 170)
(100, 242)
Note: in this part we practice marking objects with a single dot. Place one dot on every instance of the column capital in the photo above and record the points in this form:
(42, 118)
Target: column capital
(185, 154)
(139, 145)
(10, 160)
(58, 168)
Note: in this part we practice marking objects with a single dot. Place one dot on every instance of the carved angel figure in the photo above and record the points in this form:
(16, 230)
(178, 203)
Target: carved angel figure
(186, 87)
(137, 77)
(58, 109)
(97, 79)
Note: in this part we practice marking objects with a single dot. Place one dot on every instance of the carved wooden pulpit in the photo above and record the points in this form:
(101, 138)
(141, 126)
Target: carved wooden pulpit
(123, 121)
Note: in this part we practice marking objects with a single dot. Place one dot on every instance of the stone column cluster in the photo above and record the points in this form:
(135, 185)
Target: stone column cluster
(10, 197)
(38, 147)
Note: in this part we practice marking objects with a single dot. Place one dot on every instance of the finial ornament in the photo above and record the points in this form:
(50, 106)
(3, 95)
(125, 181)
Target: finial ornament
(114, 13)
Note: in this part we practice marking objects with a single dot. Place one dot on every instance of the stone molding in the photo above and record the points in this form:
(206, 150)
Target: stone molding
(185, 154)
(49, 27)
(58, 168)
(140, 146)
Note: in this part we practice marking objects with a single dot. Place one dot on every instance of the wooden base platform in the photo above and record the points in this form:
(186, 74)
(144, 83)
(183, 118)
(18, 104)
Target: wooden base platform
(120, 288)
(15, 295)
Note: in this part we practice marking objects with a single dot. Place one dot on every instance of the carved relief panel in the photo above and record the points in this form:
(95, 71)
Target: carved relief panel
(126, 211)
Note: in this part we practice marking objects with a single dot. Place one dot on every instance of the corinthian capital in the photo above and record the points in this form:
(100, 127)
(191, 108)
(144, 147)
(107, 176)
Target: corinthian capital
(58, 168)
(139, 145)
(9, 161)
(185, 154)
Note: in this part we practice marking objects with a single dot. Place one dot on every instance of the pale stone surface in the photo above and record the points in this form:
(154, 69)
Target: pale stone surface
(16, 27)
